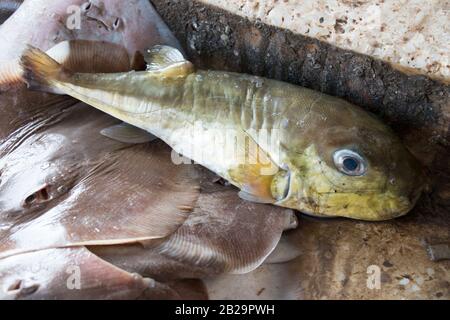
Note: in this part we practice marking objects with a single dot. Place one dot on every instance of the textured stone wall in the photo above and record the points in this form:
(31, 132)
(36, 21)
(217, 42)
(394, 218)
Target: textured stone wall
(410, 33)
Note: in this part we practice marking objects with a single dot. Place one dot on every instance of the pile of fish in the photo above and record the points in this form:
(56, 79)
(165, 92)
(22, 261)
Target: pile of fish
(122, 217)
(93, 208)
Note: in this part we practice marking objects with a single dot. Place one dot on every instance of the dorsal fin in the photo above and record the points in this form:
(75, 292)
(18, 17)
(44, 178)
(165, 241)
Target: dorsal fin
(167, 61)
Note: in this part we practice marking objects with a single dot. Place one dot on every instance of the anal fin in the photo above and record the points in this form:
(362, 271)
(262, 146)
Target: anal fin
(127, 133)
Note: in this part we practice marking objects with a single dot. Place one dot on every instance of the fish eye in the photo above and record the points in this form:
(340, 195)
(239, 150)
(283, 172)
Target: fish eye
(349, 162)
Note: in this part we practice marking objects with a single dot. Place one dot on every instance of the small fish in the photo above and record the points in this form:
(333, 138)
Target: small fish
(278, 143)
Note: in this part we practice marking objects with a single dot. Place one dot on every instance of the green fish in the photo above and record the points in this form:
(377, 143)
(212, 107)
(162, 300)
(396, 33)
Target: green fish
(277, 142)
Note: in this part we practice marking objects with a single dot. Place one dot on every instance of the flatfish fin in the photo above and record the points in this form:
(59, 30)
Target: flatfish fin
(84, 56)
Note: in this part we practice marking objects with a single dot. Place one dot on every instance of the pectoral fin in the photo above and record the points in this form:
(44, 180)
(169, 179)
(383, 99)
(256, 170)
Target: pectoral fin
(254, 173)
(254, 186)
(127, 133)
(167, 62)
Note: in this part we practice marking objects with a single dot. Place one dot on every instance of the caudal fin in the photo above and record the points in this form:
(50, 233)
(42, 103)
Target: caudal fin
(40, 71)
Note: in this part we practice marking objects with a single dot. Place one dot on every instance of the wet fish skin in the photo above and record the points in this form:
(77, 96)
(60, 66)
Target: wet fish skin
(77, 273)
(183, 106)
(133, 16)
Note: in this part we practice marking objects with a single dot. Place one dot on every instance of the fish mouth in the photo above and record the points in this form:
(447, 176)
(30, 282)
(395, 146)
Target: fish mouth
(380, 208)
(366, 206)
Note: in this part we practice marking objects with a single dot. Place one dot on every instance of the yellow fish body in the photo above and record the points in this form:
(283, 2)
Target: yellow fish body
(279, 143)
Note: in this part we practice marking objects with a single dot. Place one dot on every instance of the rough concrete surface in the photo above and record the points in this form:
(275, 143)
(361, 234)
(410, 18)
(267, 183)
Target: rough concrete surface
(410, 33)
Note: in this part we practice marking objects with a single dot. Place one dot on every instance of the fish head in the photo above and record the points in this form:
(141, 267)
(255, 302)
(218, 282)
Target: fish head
(354, 166)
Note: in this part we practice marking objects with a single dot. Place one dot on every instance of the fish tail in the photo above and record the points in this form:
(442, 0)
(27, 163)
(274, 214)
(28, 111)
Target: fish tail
(40, 71)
